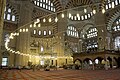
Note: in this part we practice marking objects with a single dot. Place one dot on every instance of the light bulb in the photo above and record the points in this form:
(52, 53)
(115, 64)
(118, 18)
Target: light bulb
(27, 30)
(11, 50)
(50, 20)
(103, 11)
(34, 25)
(44, 20)
(31, 25)
(39, 25)
(38, 20)
(94, 11)
(11, 37)
(8, 49)
(56, 19)
(17, 34)
(23, 30)
(11, 33)
(85, 10)
(63, 15)
(20, 30)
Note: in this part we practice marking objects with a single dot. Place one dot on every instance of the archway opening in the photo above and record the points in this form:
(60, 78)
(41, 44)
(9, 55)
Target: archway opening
(87, 63)
(99, 63)
(77, 64)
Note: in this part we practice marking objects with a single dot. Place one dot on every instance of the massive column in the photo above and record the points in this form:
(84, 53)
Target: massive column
(26, 10)
(60, 48)
(2, 6)
(102, 32)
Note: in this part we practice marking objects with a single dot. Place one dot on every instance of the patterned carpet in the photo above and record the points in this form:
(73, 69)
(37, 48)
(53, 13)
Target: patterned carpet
(60, 75)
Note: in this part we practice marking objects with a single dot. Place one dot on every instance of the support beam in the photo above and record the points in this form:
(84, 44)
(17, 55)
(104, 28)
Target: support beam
(2, 6)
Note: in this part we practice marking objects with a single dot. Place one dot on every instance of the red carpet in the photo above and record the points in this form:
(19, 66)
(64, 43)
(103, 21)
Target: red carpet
(60, 75)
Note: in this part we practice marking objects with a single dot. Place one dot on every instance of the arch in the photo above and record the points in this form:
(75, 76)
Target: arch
(111, 19)
(87, 24)
(45, 4)
(10, 13)
(75, 3)
(99, 59)
(99, 62)
(115, 26)
(78, 60)
(114, 60)
(72, 31)
(87, 60)
(109, 58)
(117, 62)
(85, 28)
(77, 63)
(5, 53)
(110, 61)
(57, 5)
(117, 43)
(89, 33)
(87, 63)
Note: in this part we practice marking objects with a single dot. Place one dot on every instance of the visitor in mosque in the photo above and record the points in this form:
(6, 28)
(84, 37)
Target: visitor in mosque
(20, 68)
(34, 67)
(47, 68)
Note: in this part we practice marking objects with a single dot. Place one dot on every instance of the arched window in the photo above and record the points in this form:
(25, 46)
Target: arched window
(89, 36)
(92, 32)
(34, 31)
(10, 14)
(92, 43)
(116, 25)
(117, 43)
(116, 29)
(4, 61)
(82, 17)
(13, 17)
(44, 33)
(50, 32)
(39, 33)
(45, 4)
(111, 3)
(72, 31)
(42, 49)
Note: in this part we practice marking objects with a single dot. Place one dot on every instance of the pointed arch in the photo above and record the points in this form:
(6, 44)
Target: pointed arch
(75, 3)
